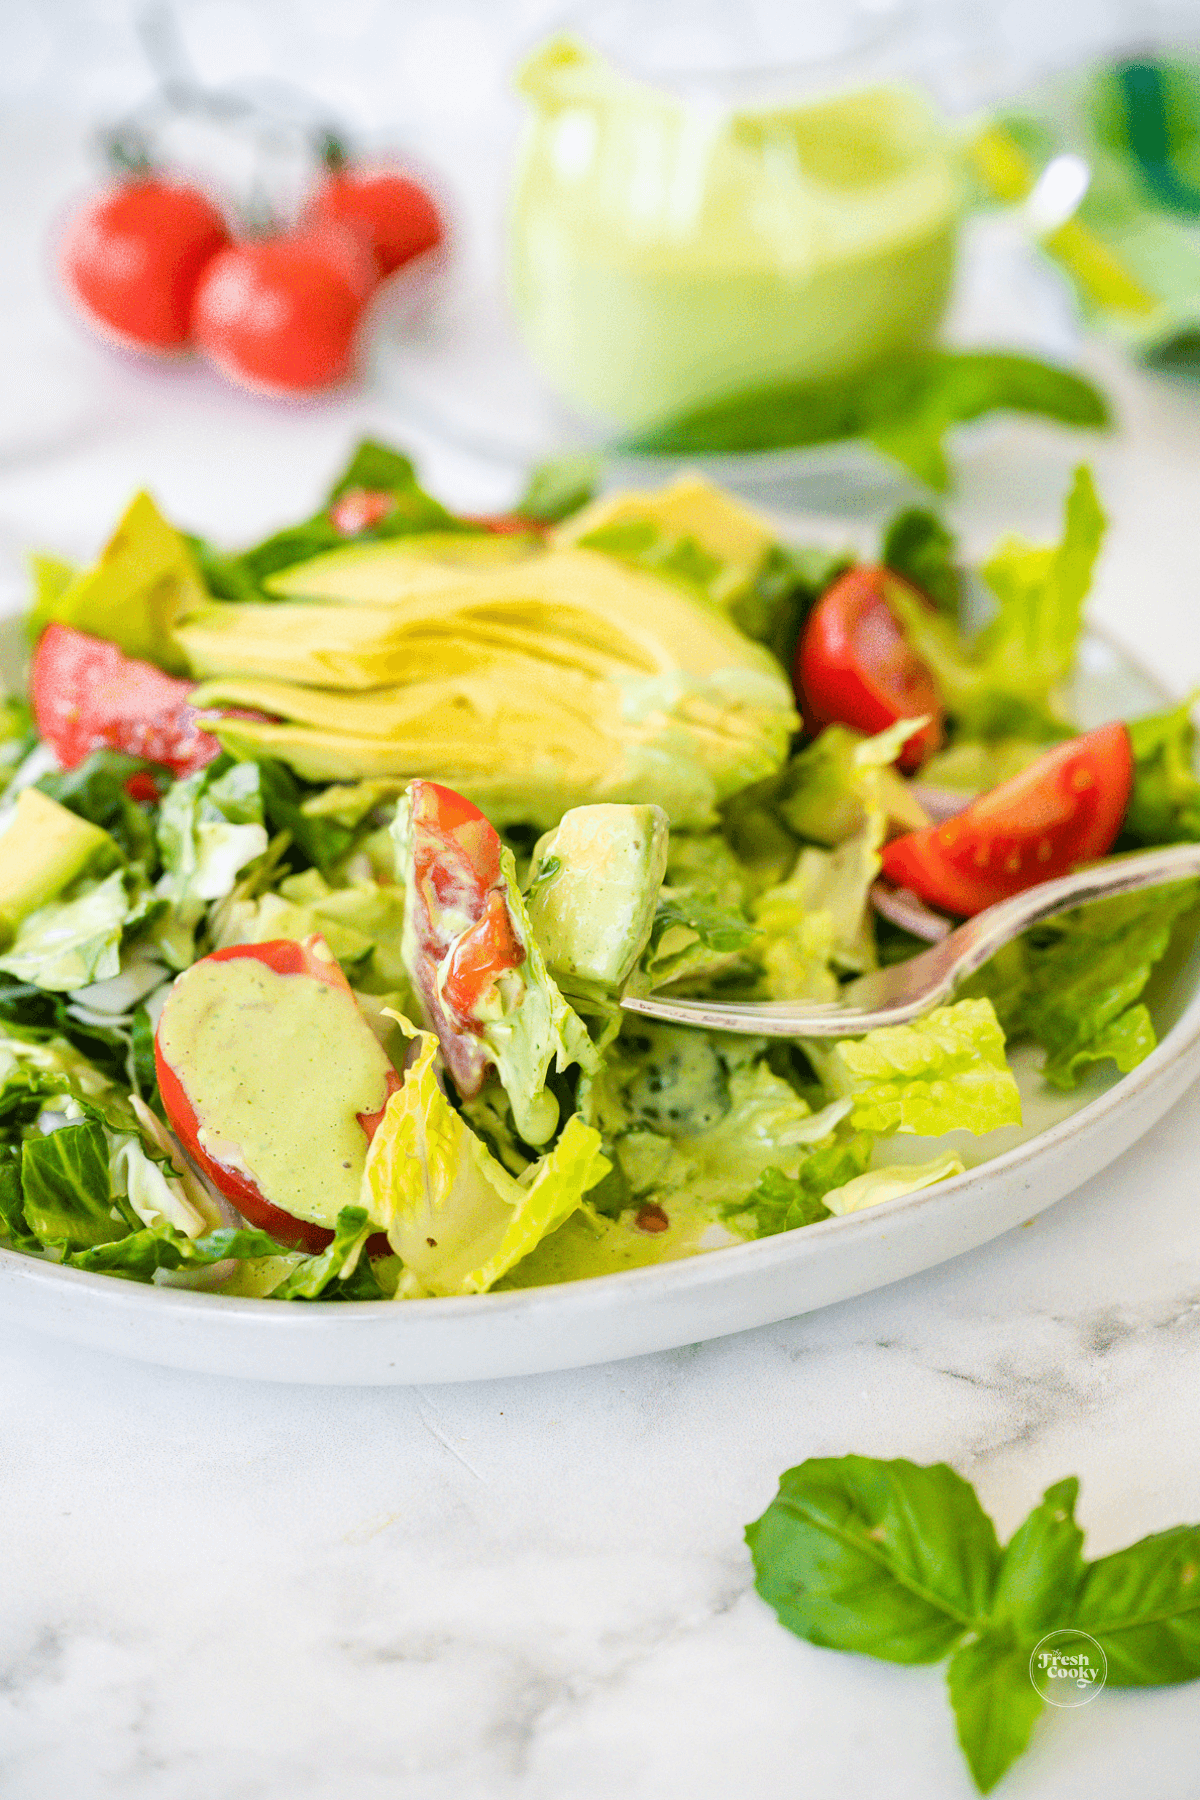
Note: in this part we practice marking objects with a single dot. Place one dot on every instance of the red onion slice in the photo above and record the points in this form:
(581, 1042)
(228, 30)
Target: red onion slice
(900, 906)
(941, 803)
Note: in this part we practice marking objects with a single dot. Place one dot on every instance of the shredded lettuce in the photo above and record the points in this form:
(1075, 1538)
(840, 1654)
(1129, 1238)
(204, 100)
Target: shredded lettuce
(209, 828)
(452, 1213)
(945, 1072)
(73, 941)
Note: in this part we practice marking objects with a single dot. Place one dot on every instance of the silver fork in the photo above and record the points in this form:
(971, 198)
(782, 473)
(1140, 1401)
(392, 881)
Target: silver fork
(906, 990)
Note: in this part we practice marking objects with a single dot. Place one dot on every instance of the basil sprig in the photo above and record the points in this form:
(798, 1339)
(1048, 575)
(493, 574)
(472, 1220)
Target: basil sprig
(899, 1561)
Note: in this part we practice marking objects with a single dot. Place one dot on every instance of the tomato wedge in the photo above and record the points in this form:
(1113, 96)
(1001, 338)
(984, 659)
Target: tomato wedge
(285, 957)
(1064, 809)
(461, 922)
(854, 667)
(87, 695)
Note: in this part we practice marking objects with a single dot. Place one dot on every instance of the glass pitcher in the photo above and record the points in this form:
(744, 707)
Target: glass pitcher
(711, 215)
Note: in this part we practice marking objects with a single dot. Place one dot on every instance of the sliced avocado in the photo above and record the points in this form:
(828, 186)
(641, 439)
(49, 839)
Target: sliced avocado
(594, 886)
(689, 508)
(145, 580)
(43, 851)
(329, 646)
(378, 573)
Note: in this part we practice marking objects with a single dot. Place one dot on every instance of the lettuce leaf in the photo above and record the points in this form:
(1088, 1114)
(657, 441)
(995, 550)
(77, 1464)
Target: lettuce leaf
(877, 1185)
(66, 1187)
(946, 1072)
(1028, 648)
(72, 942)
(95, 790)
(1164, 807)
(1073, 984)
(918, 546)
(779, 1202)
(452, 1213)
(209, 828)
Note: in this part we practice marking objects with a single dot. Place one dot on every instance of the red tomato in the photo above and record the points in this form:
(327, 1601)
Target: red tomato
(87, 695)
(280, 315)
(286, 957)
(854, 667)
(504, 524)
(132, 257)
(1064, 809)
(359, 508)
(393, 214)
(460, 913)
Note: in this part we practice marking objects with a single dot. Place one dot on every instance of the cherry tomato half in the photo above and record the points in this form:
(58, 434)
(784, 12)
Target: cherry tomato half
(87, 695)
(285, 957)
(461, 921)
(132, 258)
(854, 667)
(395, 216)
(1064, 809)
(280, 315)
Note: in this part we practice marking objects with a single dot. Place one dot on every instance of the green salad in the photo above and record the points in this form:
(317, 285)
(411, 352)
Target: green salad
(325, 866)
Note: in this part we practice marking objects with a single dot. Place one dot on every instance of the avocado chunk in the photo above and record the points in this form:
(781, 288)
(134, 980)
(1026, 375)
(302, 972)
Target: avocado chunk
(594, 886)
(43, 851)
(378, 573)
(145, 580)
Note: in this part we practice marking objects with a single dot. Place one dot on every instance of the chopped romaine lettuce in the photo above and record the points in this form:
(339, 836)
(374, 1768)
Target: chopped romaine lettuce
(1164, 807)
(1024, 654)
(779, 1202)
(878, 1185)
(918, 546)
(945, 1072)
(452, 1213)
(72, 941)
(1073, 984)
(209, 828)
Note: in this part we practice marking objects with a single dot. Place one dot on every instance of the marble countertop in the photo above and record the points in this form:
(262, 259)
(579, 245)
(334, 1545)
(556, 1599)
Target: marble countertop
(537, 1589)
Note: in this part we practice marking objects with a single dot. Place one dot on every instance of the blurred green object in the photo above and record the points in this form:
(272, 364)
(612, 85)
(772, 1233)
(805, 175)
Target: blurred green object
(1132, 245)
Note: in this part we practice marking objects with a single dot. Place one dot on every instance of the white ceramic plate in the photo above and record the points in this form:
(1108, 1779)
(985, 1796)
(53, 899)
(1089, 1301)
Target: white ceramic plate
(1063, 1143)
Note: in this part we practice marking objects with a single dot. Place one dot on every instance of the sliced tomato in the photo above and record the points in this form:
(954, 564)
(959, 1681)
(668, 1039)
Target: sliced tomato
(359, 508)
(854, 666)
(462, 924)
(87, 695)
(285, 957)
(1064, 809)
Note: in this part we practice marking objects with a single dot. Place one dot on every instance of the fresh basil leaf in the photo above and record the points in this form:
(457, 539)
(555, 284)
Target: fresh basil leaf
(1142, 1605)
(904, 406)
(1164, 807)
(918, 546)
(995, 1703)
(95, 790)
(885, 1558)
(67, 1191)
(320, 841)
(559, 488)
(318, 1277)
(1042, 1565)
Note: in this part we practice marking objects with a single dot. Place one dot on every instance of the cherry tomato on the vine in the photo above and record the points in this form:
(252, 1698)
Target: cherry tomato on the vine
(395, 215)
(133, 255)
(280, 314)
